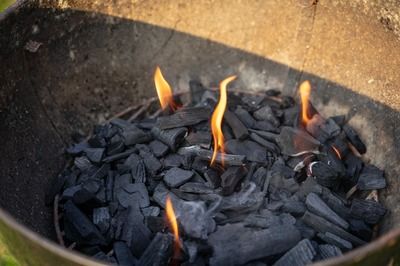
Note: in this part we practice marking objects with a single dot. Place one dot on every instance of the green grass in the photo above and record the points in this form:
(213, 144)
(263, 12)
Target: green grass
(5, 258)
(3, 5)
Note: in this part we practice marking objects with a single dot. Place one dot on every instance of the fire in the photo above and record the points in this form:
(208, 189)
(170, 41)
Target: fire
(216, 120)
(337, 152)
(164, 91)
(173, 223)
(305, 89)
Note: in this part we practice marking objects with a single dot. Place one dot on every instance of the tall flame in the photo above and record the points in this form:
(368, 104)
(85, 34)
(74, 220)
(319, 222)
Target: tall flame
(216, 120)
(305, 89)
(173, 223)
(164, 91)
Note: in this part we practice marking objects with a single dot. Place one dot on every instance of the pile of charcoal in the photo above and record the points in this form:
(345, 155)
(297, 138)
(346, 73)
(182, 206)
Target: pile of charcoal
(284, 192)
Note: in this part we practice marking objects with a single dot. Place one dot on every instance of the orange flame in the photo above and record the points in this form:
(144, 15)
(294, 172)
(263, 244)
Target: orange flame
(305, 89)
(216, 120)
(173, 223)
(164, 91)
(337, 152)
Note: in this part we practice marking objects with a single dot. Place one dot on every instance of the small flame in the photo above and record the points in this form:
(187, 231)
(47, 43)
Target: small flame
(305, 89)
(173, 223)
(164, 91)
(337, 152)
(216, 120)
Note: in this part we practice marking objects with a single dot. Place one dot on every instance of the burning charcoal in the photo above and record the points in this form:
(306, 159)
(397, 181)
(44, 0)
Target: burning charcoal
(360, 229)
(155, 224)
(332, 239)
(82, 163)
(292, 141)
(316, 205)
(329, 251)
(294, 207)
(123, 254)
(201, 138)
(322, 129)
(321, 225)
(171, 137)
(184, 117)
(245, 117)
(324, 174)
(151, 211)
(118, 156)
(228, 159)
(212, 177)
(266, 113)
(259, 177)
(151, 162)
(247, 199)
(340, 145)
(94, 154)
(272, 147)
(102, 218)
(368, 210)
(82, 230)
(354, 139)
(175, 177)
(200, 165)
(134, 135)
(196, 89)
(196, 188)
(173, 160)
(239, 129)
(77, 148)
(158, 252)
(239, 240)
(353, 167)
(158, 148)
(265, 126)
(253, 151)
(371, 178)
(231, 177)
(302, 254)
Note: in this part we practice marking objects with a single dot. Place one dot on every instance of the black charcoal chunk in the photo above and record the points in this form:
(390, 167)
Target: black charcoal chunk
(196, 188)
(292, 141)
(340, 120)
(272, 147)
(123, 254)
(151, 163)
(305, 230)
(249, 198)
(370, 178)
(253, 101)
(368, 210)
(240, 240)
(175, 177)
(329, 251)
(82, 163)
(245, 117)
(231, 178)
(360, 229)
(184, 117)
(132, 194)
(151, 211)
(238, 128)
(171, 137)
(158, 148)
(173, 160)
(158, 252)
(265, 126)
(134, 135)
(102, 218)
(228, 159)
(300, 255)
(115, 148)
(137, 166)
(322, 129)
(196, 90)
(324, 174)
(252, 150)
(212, 177)
(201, 138)
(354, 166)
(266, 113)
(70, 192)
(354, 139)
(118, 156)
(294, 207)
(259, 177)
(77, 148)
(316, 205)
(290, 116)
(82, 230)
(333, 239)
(95, 154)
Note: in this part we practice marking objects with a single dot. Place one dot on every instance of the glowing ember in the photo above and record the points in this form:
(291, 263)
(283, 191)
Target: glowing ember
(164, 91)
(337, 152)
(216, 120)
(173, 223)
(305, 89)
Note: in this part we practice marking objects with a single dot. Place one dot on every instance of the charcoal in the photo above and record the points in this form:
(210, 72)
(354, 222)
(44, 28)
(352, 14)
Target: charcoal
(158, 252)
(322, 225)
(97, 142)
(340, 120)
(201, 138)
(173, 160)
(329, 156)
(329, 251)
(259, 177)
(118, 156)
(121, 123)
(231, 178)
(103, 257)
(83, 230)
(197, 188)
(239, 240)
(155, 224)
(151, 211)
(245, 117)
(322, 129)
(337, 204)
(184, 117)
(238, 128)
(354, 139)
(94, 154)
(228, 159)
(102, 218)
(158, 148)
(294, 207)
(115, 148)
(134, 135)
(371, 178)
(171, 137)
(77, 148)
(368, 210)
(212, 177)
(324, 174)
(360, 229)
(196, 90)
(292, 141)
(200, 164)
(266, 113)
(302, 254)
(82, 163)
(272, 137)
(272, 147)
(151, 163)
(87, 198)
(121, 180)
(175, 177)
(138, 168)
(317, 206)
(253, 151)
(333, 239)
(306, 231)
(341, 146)
(353, 168)
(146, 123)
(70, 192)
(265, 126)
(56, 187)
(123, 254)
(252, 101)
(290, 116)
(308, 186)
(186, 196)
(140, 190)
(262, 221)
(245, 200)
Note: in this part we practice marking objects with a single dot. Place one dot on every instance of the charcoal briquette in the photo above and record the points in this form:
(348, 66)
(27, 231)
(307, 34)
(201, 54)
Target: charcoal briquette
(175, 177)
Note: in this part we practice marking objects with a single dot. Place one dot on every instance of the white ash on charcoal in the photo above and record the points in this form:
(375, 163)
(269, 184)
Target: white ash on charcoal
(277, 194)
